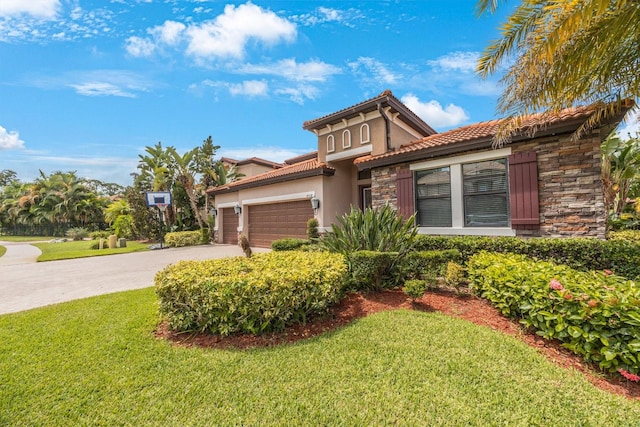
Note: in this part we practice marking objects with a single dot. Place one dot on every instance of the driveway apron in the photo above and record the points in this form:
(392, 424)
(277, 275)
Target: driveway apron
(26, 284)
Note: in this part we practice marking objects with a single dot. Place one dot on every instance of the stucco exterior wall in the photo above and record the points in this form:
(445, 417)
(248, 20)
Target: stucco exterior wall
(569, 187)
(253, 169)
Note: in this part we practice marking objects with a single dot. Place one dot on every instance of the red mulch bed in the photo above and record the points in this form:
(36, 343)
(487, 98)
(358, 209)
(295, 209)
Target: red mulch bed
(466, 307)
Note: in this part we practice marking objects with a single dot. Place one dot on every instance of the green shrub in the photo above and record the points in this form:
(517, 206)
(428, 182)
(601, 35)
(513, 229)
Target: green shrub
(123, 226)
(77, 233)
(288, 244)
(312, 229)
(263, 293)
(415, 288)
(372, 271)
(380, 230)
(594, 314)
(205, 237)
(632, 236)
(455, 276)
(417, 264)
(179, 239)
(102, 234)
(620, 256)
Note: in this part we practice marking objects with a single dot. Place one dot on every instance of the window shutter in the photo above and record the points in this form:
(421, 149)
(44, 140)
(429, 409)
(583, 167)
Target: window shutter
(523, 189)
(404, 193)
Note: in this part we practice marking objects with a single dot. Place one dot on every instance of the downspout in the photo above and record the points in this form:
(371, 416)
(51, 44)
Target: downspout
(386, 126)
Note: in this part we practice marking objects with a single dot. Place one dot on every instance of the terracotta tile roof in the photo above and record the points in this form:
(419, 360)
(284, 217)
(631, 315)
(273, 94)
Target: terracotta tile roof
(311, 167)
(480, 131)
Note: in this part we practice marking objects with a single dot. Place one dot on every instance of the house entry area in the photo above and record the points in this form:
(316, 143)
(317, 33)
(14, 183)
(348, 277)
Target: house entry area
(278, 220)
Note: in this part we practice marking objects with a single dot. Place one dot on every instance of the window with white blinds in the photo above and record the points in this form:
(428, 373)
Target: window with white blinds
(463, 195)
(485, 191)
(433, 188)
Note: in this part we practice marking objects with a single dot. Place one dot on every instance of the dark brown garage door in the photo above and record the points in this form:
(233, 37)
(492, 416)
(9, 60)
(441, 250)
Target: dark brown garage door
(229, 226)
(276, 221)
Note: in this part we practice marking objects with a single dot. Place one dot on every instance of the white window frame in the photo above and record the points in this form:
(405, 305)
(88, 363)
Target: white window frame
(365, 139)
(346, 139)
(457, 196)
(331, 144)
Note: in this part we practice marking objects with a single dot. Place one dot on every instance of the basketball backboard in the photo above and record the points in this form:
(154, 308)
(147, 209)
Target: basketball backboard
(155, 198)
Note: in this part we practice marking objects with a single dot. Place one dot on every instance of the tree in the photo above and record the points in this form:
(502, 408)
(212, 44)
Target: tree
(7, 176)
(564, 53)
(620, 169)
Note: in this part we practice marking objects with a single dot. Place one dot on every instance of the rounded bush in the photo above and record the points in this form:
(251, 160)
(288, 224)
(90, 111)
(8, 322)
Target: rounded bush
(263, 293)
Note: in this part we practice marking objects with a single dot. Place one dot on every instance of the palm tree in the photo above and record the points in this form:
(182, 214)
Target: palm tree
(116, 209)
(564, 53)
(185, 174)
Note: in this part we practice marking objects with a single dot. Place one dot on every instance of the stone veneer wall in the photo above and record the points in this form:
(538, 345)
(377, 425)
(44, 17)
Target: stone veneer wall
(569, 187)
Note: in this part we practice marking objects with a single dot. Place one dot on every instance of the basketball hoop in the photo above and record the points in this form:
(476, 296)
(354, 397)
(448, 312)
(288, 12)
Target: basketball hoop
(162, 207)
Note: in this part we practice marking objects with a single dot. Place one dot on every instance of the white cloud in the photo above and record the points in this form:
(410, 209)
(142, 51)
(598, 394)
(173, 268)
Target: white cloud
(374, 71)
(300, 93)
(433, 113)
(310, 71)
(46, 9)
(169, 33)
(249, 88)
(139, 47)
(228, 34)
(457, 61)
(101, 89)
(323, 15)
(10, 140)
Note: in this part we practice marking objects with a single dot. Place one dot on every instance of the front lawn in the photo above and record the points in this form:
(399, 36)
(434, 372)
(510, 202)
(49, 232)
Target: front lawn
(3, 250)
(82, 249)
(27, 238)
(97, 362)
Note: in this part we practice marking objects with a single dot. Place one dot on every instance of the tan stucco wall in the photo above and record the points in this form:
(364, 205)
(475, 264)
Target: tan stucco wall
(253, 169)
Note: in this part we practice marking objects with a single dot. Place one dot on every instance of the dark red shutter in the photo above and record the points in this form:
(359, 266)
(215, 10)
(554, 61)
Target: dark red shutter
(404, 192)
(523, 189)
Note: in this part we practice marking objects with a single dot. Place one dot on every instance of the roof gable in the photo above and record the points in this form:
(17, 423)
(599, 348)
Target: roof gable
(385, 99)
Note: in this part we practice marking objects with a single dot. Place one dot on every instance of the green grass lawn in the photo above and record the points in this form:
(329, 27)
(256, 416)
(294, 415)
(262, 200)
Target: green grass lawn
(82, 249)
(96, 362)
(3, 250)
(27, 238)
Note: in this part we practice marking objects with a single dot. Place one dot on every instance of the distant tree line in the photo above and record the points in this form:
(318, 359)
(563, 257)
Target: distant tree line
(52, 204)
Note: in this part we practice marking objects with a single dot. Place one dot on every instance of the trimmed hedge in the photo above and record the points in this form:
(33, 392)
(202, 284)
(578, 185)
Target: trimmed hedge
(263, 293)
(178, 239)
(622, 257)
(417, 264)
(289, 244)
(371, 270)
(594, 314)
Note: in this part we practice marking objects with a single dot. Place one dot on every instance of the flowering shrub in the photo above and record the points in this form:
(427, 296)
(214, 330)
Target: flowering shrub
(594, 314)
(179, 239)
(263, 293)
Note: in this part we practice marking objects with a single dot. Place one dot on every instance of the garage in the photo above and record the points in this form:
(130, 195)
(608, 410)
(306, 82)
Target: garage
(229, 226)
(278, 220)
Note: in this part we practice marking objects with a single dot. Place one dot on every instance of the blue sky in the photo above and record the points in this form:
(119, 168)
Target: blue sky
(87, 85)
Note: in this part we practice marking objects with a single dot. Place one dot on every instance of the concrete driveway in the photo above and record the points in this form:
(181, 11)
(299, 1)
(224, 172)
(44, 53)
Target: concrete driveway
(25, 283)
